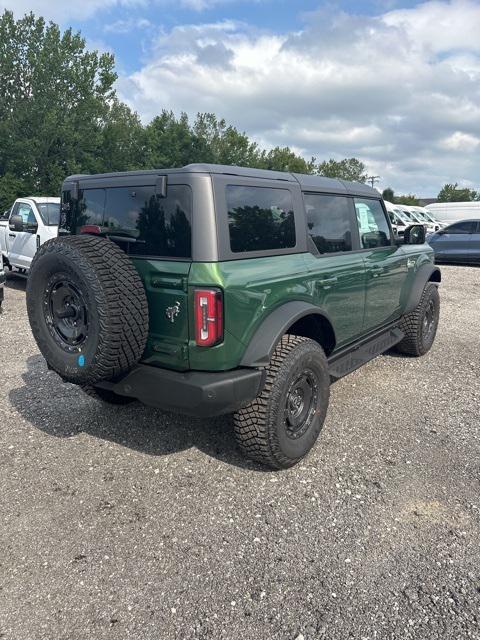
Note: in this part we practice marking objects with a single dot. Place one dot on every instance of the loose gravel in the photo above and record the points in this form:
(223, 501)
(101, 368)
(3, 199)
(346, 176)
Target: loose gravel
(133, 523)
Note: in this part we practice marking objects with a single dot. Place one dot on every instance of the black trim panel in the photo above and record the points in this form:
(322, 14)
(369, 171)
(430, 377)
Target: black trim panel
(346, 361)
(196, 393)
(422, 276)
(271, 330)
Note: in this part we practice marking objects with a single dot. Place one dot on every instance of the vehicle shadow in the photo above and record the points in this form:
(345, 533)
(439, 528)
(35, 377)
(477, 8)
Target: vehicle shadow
(15, 281)
(64, 411)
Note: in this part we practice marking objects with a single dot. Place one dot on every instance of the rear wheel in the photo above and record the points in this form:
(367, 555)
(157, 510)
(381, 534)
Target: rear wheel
(420, 326)
(281, 426)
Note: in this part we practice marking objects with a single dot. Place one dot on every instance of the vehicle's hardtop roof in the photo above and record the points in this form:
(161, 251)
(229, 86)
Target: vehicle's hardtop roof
(307, 182)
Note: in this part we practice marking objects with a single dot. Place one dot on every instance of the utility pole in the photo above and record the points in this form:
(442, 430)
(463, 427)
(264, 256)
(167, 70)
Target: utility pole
(373, 180)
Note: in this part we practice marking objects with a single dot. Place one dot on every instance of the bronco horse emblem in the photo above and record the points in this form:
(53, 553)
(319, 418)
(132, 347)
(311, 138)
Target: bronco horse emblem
(172, 312)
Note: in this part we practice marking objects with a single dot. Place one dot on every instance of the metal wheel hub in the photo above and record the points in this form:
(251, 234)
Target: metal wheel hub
(301, 404)
(66, 313)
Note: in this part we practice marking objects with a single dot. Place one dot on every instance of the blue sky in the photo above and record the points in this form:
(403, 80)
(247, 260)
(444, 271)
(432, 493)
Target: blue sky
(394, 83)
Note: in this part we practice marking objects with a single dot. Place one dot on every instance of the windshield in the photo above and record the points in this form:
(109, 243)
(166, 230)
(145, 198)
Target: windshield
(399, 213)
(422, 216)
(411, 216)
(430, 217)
(49, 212)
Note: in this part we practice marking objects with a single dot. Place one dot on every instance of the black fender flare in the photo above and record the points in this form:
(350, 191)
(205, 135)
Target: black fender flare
(270, 332)
(423, 275)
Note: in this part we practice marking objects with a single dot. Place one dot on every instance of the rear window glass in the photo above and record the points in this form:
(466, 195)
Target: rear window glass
(329, 222)
(140, 221)
(49, 212)
(260, 218)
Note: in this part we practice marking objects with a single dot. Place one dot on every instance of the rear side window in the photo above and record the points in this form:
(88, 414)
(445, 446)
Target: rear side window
(49, 212)
(142, 223)
(462, 227)
(372, 224)
(329, 222)
(260, 218)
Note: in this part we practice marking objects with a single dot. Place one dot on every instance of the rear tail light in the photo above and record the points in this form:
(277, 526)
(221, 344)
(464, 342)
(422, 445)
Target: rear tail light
(208, 317)
(91, 229)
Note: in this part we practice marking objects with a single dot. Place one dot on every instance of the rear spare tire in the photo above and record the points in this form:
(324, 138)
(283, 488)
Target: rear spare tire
(87, 308)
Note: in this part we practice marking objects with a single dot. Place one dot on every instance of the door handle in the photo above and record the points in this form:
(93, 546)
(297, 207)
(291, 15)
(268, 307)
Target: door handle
(327, 282)
(12, 235)
(376, 271)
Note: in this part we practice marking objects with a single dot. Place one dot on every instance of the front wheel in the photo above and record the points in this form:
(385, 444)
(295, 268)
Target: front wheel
(281, 426)
(420, 326)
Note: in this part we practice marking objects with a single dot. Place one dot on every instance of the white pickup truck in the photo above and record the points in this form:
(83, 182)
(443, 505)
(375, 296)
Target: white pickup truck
(24, 227)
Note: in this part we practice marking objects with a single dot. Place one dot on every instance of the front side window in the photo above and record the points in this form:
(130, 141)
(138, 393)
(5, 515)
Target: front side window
(26, 212)
(462, 227)
(329, 222)
(139, 220)
(372, 224)
(260, 218)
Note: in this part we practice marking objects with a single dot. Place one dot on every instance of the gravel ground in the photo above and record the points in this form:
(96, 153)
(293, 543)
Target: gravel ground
(133, 523)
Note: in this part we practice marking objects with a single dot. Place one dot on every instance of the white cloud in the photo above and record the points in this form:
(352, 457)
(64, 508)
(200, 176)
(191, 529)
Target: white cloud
(126, 26)
(400, 90)
(459, 141)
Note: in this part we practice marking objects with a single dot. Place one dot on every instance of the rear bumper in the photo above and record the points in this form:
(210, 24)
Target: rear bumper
(196, 393)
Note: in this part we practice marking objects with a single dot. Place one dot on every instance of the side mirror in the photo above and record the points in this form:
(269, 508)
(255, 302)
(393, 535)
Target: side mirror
(16, 223)
(31, 228)
(415, 234)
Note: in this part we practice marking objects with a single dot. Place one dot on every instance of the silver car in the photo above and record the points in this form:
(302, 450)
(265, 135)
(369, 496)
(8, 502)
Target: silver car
(459, 242)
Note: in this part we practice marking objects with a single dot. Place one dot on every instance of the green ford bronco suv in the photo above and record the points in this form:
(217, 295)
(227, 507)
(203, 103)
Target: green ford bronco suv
(214, 289)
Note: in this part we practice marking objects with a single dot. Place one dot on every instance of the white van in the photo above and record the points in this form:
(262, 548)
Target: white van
(428, 218)
(398, 219)
(452, 211)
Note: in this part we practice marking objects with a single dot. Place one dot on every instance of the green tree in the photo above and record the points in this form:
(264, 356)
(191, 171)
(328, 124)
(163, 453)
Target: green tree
(284, 159)
(409, 199)
(55, 96)
(388, 194)
(11, 188)
(346, 169)
(169, 141)
(122, 143)
(216, 142)
(453, 193)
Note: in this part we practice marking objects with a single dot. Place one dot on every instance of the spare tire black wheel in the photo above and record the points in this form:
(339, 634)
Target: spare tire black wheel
(87, 308)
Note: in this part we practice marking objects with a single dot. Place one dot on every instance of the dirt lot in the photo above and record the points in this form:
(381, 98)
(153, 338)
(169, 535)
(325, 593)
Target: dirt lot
(131, 523)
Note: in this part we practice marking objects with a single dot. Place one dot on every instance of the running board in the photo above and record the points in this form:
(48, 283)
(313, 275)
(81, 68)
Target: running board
(343, 363)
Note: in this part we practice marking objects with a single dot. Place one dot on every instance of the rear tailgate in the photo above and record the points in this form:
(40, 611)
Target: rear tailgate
(166, 284)
(152, 224)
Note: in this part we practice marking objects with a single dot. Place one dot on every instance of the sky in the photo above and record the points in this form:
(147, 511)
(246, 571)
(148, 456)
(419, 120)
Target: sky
(394, 83)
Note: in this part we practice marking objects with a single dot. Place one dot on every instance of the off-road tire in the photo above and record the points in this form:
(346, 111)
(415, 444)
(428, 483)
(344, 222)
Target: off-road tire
(416, 343)
(105, 395)
(113, 300)
(261, 427)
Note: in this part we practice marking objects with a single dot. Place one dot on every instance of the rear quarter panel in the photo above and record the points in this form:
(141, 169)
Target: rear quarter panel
(253, 288)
